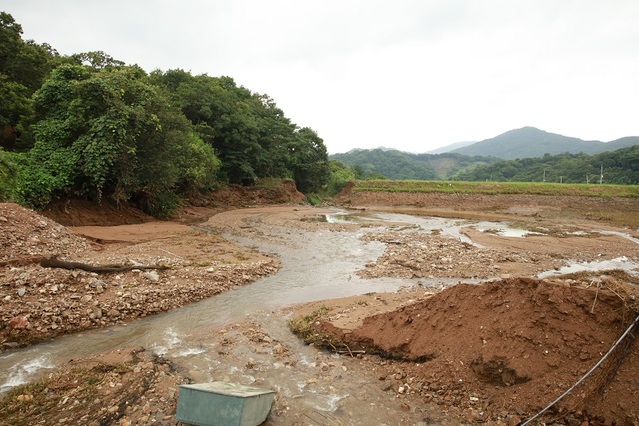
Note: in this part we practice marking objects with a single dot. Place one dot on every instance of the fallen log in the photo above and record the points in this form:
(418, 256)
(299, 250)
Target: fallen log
(54, 262)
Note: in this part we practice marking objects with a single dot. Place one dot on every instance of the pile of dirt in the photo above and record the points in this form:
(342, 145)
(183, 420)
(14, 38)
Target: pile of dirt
(503, 350)
(26, 233)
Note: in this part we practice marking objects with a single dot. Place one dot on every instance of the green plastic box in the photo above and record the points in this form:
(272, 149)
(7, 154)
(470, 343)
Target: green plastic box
(222, 403)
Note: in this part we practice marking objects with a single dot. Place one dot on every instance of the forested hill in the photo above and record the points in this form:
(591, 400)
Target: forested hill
(529, 142)
(617, 167)
(620, 166)
(90, 126)
(393, 164)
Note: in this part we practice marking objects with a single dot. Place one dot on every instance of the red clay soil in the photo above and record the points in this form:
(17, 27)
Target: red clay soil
(506, 349)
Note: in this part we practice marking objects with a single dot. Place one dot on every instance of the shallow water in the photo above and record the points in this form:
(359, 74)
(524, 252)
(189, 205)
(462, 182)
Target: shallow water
(619, 263)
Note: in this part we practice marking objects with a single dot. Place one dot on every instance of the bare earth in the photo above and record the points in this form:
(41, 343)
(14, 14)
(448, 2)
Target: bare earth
(494, 353)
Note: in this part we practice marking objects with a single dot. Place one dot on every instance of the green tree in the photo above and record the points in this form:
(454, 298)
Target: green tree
(249, 133)
(308, 161)
(339, 175)
(222, 115)
(97, 60)
(7, 176)
(109, 132)
(23, 67)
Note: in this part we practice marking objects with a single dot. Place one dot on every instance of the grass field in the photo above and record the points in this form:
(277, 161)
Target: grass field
(536, 188)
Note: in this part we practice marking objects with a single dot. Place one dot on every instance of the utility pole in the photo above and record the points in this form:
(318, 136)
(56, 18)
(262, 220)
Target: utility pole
(601, 175)
(544, 176)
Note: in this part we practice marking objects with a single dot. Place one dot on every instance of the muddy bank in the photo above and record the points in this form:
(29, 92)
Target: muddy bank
(501, 351)
(620, 212)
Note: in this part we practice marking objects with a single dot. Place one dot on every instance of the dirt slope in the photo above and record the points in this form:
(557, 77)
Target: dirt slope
(505, 349)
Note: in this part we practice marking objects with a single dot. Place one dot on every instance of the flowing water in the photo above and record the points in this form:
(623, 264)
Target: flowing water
(315, 266)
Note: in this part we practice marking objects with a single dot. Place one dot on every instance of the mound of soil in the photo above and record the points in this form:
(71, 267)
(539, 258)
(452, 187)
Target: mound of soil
(506, 349)
(26, 233)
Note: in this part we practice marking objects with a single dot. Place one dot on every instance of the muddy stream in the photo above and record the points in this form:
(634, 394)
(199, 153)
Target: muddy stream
(205, 342)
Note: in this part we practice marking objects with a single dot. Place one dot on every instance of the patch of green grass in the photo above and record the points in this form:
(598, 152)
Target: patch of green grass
(535, 188)
(314, 199)
(304, 327)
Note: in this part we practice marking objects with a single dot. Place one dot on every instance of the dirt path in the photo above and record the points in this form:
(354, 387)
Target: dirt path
(498, 351)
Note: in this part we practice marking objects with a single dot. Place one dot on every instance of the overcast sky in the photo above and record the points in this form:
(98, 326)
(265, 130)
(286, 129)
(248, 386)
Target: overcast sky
(413, 75)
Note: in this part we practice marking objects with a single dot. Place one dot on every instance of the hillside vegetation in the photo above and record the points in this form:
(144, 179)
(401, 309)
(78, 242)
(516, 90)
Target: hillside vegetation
(530, 142)
(394, 164)
(619, 167)
(92, 127)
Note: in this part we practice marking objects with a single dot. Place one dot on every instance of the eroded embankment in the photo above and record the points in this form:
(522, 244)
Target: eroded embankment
(508, 347)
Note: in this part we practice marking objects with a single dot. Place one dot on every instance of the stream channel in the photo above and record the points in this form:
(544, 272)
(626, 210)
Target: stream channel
(201, 338)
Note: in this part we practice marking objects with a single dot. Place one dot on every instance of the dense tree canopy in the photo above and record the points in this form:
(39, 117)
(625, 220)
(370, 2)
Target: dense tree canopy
(619, 167)
(249, 133)
(88, 125)
(23, 67)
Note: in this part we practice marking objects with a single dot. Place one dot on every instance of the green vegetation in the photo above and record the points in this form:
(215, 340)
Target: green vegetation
(529, 142)
(393, 164)
(89, 126)
(619, 167)
(536, 188)
(305, 327)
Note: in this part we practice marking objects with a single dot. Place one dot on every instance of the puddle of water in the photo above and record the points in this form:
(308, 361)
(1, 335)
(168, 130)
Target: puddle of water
(622, 235)
(503, 229)
(622, 263)
(350, 217)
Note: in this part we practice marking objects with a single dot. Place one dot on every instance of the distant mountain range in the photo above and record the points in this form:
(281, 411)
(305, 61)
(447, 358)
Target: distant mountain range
(529, 142)
(461, 158)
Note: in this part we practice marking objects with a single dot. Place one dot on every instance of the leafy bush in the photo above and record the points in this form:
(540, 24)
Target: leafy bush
(339, 176)
(314, 199)
(8, 172)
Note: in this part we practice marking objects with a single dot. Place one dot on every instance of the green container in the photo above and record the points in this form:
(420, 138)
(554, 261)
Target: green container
(221, 403)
